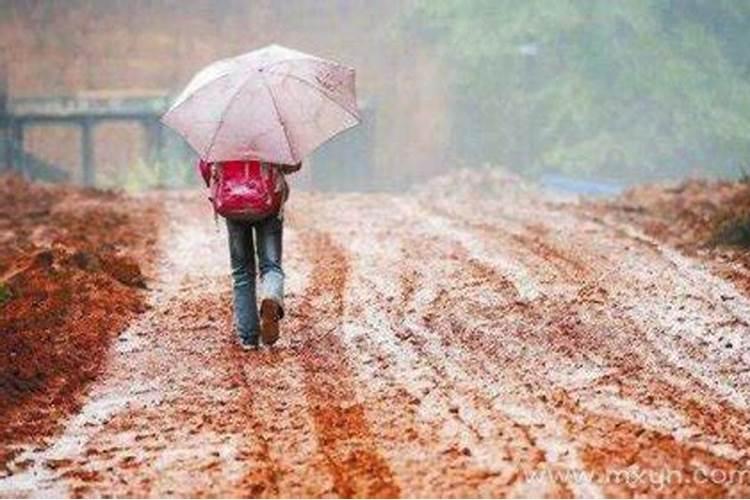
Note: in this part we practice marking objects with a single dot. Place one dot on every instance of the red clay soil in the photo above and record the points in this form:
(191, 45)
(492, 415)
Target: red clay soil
(439, 344)
(707, 219)
(70, 279)
(689, 215)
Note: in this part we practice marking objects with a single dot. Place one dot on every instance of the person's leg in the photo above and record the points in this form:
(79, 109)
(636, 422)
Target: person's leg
(269, 236)
(242, 258)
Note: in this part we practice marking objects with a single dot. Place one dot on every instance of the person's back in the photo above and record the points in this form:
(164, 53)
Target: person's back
(267, 245)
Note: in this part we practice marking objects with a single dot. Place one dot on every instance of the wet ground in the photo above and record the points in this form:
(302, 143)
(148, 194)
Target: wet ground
(71, 279)
(434, 346)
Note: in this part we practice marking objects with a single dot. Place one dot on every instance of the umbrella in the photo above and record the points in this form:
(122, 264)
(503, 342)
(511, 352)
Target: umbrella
(273, 104)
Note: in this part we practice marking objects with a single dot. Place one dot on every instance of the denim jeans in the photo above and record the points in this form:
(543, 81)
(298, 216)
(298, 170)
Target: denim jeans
(242, 251)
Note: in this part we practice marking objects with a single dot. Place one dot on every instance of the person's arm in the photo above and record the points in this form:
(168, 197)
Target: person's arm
(289, 169)
(204, 168)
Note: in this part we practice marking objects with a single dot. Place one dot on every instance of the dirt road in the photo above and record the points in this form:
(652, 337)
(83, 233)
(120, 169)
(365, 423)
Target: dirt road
(432, 348)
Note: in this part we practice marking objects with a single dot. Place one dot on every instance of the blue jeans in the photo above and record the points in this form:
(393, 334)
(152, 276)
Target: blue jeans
(268, 237)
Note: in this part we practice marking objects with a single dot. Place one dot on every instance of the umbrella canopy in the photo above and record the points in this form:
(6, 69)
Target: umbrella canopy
(273, 104)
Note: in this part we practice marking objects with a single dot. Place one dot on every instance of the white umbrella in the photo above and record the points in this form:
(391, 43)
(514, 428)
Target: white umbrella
(273, 104)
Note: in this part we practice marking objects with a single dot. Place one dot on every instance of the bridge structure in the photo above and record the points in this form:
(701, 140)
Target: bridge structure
(85, 111)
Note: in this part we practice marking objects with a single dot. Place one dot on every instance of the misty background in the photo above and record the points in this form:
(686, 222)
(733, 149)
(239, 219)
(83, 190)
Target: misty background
(625, 91)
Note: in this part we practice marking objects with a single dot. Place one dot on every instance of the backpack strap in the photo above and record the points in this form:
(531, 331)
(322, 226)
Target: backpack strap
(214, 179)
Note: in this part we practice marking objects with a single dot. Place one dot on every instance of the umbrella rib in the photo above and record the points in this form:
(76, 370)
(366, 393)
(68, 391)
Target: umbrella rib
(198, 89)
(176, 105)
(278, 115)
(322, 91)
(224, 114)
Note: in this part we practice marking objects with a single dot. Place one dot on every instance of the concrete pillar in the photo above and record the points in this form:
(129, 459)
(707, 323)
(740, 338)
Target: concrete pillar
(154, 139)
(7, 150)
(87, 153)
(154, 142)
(10, 132)
(7, 160)
(16, 152)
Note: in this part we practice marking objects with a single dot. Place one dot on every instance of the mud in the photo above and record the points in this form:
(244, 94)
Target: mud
(436, 344)
(706, 219)
(70, 268)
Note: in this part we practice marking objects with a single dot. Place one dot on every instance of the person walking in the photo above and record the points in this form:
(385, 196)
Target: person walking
(252, 119)
(251, 196)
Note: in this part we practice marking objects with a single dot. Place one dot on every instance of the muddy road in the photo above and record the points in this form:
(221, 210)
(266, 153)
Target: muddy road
(432, 347)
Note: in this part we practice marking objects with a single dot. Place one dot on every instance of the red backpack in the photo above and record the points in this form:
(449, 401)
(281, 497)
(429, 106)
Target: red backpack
(244, 190)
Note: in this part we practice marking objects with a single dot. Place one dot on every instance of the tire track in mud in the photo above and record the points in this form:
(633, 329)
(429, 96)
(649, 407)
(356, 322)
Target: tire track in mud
(171, 415)
(433, 352)
(680, 450)
(276, 381)
(594, 273)
(344, 433)
(473, 448)
(448, 305)
(494, 454)
(473, 337)
(431, 447)
(200, 437)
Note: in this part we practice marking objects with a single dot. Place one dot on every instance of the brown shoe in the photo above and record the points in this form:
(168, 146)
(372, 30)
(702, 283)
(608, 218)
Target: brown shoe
(270, 314)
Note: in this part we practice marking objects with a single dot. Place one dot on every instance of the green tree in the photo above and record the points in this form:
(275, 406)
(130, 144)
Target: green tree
(626, 88)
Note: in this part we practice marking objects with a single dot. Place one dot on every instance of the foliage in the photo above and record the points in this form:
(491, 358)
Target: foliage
(734, 231)
(173, 173)
(5, 293)
(652, 87)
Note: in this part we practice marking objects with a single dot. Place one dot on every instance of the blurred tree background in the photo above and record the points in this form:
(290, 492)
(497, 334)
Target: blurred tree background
(625, 89)
(629, 90)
